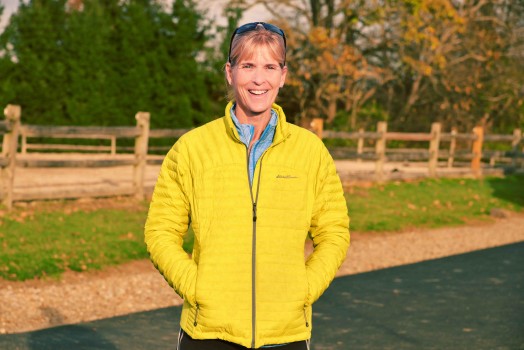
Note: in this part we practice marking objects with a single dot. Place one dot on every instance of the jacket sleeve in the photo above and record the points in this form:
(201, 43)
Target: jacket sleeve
(329, 229)
(167, 224)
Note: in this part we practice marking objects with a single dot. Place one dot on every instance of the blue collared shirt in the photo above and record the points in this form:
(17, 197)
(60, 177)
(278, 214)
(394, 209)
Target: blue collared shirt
(246, 132)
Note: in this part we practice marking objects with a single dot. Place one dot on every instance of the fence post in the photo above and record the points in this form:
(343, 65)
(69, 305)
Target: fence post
(452, 147)
(380, 150)
(517, 136)
(360, 144)
(23, 138)
(434, 145)
(478, 132)
(141, 142)
(9, 149)
(113, 145)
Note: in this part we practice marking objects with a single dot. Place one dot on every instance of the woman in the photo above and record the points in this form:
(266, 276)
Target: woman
(253, 187)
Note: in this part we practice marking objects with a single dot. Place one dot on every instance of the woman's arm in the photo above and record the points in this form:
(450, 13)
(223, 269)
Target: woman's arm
(167, 224)
(329, 229)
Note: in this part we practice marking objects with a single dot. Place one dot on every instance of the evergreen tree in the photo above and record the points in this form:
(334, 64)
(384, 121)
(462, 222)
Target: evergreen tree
(32, 43)
(219, 52)
(101, 62)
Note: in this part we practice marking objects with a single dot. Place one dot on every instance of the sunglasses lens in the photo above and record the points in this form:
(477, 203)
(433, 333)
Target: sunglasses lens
(274, 29)
(245, 28)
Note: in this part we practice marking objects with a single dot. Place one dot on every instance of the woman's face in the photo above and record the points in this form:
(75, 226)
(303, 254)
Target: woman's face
(255, 80)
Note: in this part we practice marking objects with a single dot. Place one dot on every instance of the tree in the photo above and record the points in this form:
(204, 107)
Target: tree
(100, 61)
(328, 67)
(487, 79)
(217, 55)
(455, 59)
(32, 44)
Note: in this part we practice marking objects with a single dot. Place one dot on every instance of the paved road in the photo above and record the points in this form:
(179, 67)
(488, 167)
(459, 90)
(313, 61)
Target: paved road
(468, 301)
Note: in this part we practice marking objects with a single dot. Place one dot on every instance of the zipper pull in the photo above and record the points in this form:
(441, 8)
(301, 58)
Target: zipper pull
(305, 317)
(196, 315)
(254, 212)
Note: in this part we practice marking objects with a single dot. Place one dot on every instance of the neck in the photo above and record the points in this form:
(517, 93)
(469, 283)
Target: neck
(259, 121)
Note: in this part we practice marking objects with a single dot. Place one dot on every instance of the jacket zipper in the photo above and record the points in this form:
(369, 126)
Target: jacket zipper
(254, 200)
(305, 316)
(196, 315)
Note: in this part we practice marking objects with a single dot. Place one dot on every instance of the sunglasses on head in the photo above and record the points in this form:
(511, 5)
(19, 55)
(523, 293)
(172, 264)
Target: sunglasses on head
(252, 26)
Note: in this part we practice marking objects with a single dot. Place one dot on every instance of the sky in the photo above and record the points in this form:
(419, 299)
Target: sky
(257, 13)
(9, 7)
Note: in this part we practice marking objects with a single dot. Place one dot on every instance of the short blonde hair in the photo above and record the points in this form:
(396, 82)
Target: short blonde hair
(244, 45)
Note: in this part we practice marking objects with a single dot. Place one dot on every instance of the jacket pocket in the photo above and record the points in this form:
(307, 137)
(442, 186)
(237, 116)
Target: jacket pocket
(192, 298)
(306, 289)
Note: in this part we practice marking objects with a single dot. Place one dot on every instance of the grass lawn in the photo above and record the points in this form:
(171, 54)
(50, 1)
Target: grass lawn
(47, 238)
(432, 203)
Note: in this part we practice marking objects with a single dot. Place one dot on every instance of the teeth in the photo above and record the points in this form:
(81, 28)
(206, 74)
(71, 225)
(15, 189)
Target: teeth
(258, 92)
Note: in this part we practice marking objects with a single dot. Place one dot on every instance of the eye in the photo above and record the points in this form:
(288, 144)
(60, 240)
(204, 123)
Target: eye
(246, 66)
(271, 67)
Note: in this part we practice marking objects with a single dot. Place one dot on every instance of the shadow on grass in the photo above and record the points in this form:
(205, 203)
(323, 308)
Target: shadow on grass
(509, 189)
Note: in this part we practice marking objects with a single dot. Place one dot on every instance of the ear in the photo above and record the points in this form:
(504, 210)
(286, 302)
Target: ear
(229, 73)
(283, 77)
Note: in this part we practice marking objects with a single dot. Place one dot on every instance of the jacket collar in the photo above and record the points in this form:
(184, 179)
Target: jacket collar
(281, 131)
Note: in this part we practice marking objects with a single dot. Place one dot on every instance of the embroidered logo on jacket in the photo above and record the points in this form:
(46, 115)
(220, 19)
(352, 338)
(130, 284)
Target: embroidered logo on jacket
(286, 177)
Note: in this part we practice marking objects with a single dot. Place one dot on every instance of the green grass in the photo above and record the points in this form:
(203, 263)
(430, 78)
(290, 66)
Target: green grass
(48, 243)
(47, 240)
(432, 203)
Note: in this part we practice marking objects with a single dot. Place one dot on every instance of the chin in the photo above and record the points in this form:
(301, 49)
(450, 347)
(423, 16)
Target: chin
(260, 111)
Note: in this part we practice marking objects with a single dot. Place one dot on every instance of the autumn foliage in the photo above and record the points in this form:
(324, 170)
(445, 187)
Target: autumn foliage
(410, 62)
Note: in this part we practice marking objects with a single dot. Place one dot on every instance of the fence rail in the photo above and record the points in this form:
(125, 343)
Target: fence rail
(5, 126)
(75, 132)
(442, 149)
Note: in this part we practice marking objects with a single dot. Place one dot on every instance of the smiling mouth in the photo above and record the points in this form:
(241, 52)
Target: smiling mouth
(257, 92)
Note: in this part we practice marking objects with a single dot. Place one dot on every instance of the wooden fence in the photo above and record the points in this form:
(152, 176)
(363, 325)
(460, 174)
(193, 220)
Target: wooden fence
(435, 154)
(12, 130)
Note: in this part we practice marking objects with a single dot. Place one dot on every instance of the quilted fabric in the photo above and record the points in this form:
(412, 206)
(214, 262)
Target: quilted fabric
(247, 281)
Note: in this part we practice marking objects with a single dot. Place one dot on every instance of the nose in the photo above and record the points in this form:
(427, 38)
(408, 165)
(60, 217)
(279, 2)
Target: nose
(258, 76)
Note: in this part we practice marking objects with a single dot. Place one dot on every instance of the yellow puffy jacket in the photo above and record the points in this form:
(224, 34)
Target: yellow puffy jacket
(247, 280)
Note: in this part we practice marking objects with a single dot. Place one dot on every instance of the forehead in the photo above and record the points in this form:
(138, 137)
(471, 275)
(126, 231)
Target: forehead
(259, 52)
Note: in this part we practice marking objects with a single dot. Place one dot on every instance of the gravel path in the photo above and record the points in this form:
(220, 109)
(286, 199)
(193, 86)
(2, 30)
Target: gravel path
(137, 286)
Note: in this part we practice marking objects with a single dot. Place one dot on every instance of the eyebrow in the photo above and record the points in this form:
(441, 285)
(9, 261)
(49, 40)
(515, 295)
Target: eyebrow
(254, 64)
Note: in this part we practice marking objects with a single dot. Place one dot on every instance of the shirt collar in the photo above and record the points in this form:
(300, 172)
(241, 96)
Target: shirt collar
(246, 131)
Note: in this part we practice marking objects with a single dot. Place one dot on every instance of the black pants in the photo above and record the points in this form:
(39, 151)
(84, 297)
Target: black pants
(185, 342)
